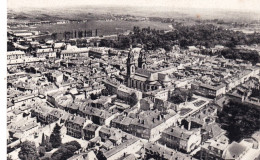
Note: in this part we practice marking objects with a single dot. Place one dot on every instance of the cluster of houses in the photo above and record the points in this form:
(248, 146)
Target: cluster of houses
(121, 101)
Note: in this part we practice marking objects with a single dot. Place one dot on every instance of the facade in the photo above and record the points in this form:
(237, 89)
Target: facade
(72, 51)
(124, 93)
(98, 53)
(74, 125)
(181, 139)
(12, 55)
(208, 90)
(90, 131)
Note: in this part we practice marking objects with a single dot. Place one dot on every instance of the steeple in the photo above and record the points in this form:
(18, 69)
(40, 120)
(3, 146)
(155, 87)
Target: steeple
(142, 59)
(130, 63)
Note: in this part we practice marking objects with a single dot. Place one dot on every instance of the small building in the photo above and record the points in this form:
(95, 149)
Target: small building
(181, 139)
(90, 131)
(74, 125)
(12, 55)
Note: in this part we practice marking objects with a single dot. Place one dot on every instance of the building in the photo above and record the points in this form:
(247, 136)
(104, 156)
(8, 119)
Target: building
(214, 148)
(210, 91)
(90, 131)
(157, 151)
(150, 124)
(12, 55)
(99, 52)
(72, 51)
(74, 125)
(140, 78)
(181, 139)
(222, 150)
(124, 93)
(54, 116)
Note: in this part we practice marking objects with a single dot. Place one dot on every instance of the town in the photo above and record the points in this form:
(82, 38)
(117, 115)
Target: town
(138, 94)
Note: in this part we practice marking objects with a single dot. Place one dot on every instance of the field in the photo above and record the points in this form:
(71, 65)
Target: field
(104, 27)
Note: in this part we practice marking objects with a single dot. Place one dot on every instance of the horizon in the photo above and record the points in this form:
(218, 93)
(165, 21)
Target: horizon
(229, 5)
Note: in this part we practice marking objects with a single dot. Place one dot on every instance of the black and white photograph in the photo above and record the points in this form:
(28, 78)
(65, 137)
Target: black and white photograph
(130, 80)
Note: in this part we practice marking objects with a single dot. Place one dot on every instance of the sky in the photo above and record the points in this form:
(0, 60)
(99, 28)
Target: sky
(241, 5)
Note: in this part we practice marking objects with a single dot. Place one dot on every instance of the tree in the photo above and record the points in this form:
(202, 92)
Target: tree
(10, 46)
(239, 120)
(73, 143)
(93, 96)
(54, 36)
(43, 140)
(9, 158)
(181, 95)
(48, 147)
(28, 151)
(41, 151)
(133, 99)
(55, 137)
(66, 150)
(104, 92)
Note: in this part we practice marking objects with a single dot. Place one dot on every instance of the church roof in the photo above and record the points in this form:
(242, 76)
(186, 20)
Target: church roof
(143, 72)
(153, 77)
(140, 78)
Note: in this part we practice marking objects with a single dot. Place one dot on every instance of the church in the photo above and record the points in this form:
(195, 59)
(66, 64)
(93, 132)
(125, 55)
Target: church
(140, 77)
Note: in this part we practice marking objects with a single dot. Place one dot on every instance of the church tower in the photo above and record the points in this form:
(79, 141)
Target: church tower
(142, 59)
(130, 64)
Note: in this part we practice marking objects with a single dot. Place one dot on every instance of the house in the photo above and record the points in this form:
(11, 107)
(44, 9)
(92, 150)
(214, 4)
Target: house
(98, 116)
(99, 52)
(207, 90)
(90, 155)
(90, 131)
(149, 124)
(15, 55)
(54, 115)
(105, 133)
(56, 77)
(221, 149)
(130, 145)
(181, 139)
(157, 151)
(122, 122)
(58, 46)
(72, 51)
(41, 112)
(23, 128)
(124, 93)
(74, 125)
(214, 148)
(43, 52)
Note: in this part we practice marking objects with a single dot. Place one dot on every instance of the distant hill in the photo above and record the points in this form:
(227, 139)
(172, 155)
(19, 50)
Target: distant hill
(93, 11)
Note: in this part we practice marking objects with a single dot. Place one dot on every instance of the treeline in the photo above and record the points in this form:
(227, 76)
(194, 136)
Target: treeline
(232, 53)
(197, 35)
